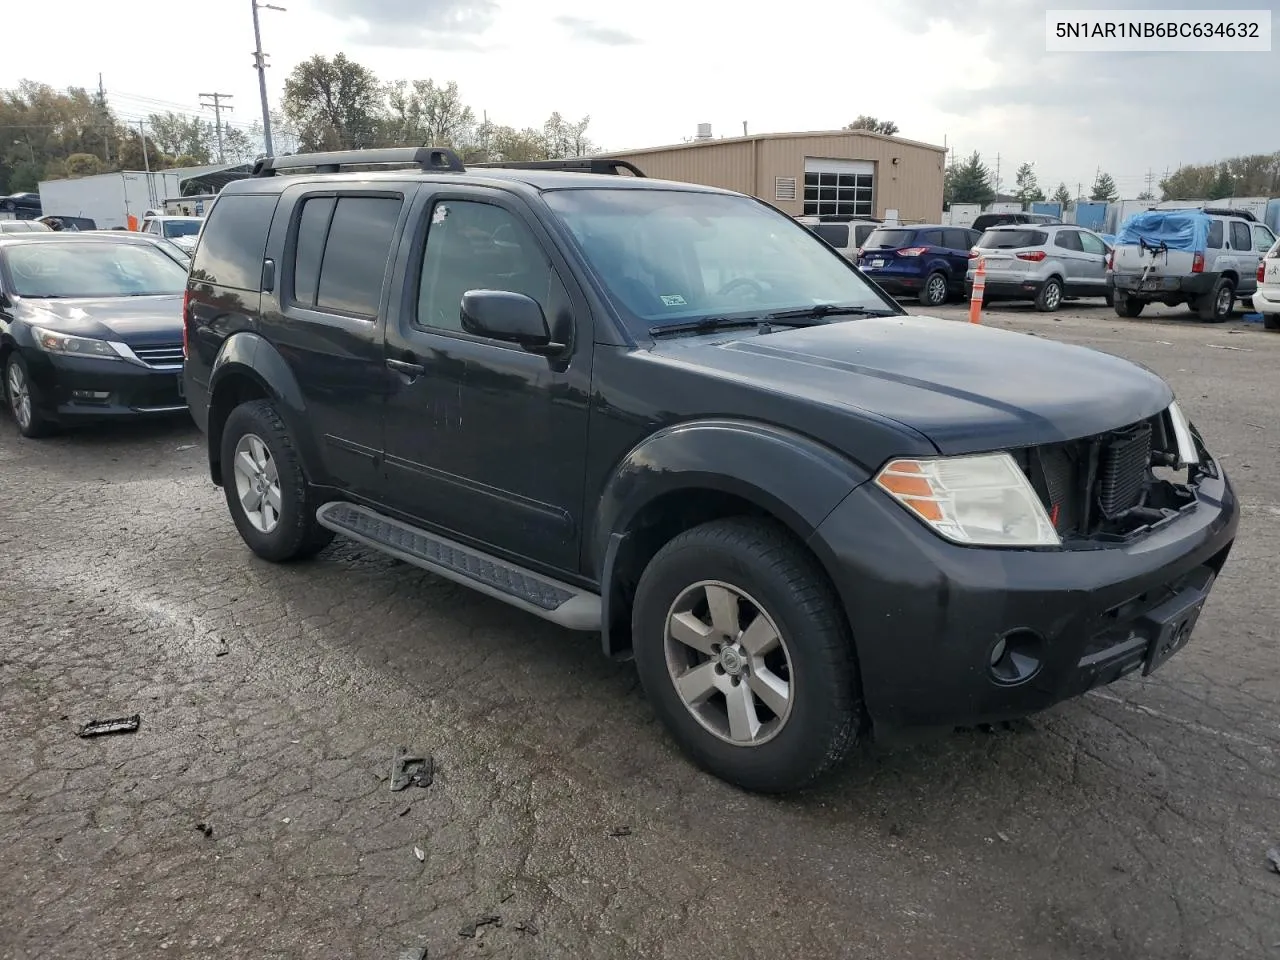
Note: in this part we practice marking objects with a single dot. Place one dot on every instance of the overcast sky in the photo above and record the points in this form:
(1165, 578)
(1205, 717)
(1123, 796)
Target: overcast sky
(972, 72)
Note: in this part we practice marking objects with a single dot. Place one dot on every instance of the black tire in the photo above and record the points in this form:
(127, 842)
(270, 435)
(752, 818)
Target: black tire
(1049, 298)
(765, 563)
(296, 535)
(935, 291)
(36, 425)
(1271, 321)
(1216, 305)
(1126, 306)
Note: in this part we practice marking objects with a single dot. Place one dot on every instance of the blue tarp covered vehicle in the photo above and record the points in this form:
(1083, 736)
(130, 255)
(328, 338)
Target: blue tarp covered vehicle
(1184, 230)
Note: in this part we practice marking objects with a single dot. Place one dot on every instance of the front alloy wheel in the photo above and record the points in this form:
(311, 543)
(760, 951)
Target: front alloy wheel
(729, 663)
(743, 649)
(22, 398)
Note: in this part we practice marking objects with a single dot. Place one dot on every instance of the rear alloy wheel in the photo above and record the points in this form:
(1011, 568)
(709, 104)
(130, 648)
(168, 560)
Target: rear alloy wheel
(23, 398)
(1215, 306)
(934, 292)
(267, 493)
(1050, 297)
(1126, 306)
(742, 648)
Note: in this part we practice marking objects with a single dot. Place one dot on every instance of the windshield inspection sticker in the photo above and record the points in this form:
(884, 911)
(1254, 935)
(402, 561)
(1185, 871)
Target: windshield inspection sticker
(674, 300)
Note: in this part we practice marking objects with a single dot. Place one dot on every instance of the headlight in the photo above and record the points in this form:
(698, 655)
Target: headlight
(1187, 453)
(977, 501)
(55, 342)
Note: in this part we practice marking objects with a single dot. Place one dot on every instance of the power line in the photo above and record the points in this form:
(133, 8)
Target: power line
(217, 107)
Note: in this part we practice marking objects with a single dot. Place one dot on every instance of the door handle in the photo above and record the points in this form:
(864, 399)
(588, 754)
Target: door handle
(410, 370)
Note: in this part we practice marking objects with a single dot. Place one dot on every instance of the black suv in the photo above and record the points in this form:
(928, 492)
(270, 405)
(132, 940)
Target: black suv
(670, 414)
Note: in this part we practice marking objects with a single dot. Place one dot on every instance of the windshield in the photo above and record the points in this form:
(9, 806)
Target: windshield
(92, 269)
(181, 228)
(889, 239)
(668, 256)
(1011, 239)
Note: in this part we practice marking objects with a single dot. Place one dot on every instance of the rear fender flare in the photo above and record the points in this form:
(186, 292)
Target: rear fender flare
(247, 354)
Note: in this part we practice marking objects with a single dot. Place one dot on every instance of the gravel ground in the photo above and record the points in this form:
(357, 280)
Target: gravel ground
(1131, 823)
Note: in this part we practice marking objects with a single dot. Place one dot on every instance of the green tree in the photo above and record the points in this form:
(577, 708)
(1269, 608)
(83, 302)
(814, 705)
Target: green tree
(886, 127)
(1062, 195)
(1104, 188)
(1224, 184)
(334, 104)
(1026, 188)
(180, 135)
(238, 146)
(1146, 195)
(968, 182)
(83, 165)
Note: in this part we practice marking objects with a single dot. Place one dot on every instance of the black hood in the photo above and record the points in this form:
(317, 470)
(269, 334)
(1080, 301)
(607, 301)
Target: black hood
(137, 321)
(966, 388)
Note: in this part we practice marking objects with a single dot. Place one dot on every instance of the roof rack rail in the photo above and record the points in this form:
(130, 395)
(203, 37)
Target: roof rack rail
(1228, 212)
(573, 165)
(425, 158)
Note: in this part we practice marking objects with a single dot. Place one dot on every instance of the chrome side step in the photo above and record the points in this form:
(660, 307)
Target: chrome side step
(568, 606)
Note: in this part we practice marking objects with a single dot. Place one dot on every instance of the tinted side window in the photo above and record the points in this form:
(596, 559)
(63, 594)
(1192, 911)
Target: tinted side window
(355, 254)
(234, 240)
(313, 228)
(1068, 240)
(479, 246)
(930, 238)
(1240, 239)
(836, 234)
(1215, 235)
(956, 239)
(861, 232)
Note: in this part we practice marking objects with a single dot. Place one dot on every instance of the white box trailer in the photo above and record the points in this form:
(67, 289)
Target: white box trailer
(1004, 206)
(109, 199)
(963, 214)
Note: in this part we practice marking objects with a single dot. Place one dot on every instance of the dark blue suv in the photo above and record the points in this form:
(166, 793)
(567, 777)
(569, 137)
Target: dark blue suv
(928, 261)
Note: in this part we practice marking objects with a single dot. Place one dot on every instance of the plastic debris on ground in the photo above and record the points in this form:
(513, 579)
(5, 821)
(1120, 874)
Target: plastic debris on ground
(1273, 859)
(408, 770)
(472, 929)
(97, 728)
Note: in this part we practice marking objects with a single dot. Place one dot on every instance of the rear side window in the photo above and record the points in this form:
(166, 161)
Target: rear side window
(1012, 239)
(1068, 240)
(1091, 243)
(352, 255)
(313, 228)
(836, 234)
(1215, 235)
(930, 238)
(861, 232)
(1240, 239)
(956, 239)
(234, 241)
(890, 239)
(1262, 238)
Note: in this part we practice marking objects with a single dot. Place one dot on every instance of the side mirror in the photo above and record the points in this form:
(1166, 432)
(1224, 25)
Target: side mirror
(511, 317)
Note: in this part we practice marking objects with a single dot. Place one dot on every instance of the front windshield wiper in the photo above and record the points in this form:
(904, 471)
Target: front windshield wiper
(702, 325)
(809, 316)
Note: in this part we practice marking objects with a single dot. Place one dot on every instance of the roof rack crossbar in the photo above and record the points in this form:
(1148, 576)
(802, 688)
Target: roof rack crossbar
(425, 158)
(573, 165)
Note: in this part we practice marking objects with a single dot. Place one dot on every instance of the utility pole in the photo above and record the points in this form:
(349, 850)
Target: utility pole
(217, 107)
(146, 162)
(997, 176)
(260, 62)
(1150, 177)
(106, 130)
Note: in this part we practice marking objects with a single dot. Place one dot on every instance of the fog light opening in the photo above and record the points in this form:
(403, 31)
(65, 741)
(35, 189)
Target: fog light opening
(1016, 657)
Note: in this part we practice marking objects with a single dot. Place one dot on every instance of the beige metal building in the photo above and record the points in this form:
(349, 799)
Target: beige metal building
(854, 173)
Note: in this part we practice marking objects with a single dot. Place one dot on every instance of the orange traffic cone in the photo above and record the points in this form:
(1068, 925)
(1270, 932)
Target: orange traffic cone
(979, 290)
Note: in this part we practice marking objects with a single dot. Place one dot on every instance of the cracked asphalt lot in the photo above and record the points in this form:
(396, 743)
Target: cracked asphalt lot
(1131, 823)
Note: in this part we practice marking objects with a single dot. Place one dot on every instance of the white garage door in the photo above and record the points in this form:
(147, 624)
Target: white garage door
(843, 187)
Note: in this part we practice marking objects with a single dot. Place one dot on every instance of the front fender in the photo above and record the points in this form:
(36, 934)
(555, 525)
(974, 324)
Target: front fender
(249, 355)
(795, 478)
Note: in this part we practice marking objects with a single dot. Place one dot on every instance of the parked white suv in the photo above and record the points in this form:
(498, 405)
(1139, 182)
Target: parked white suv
(846, 235)
(1204, 258)
(1267, 300)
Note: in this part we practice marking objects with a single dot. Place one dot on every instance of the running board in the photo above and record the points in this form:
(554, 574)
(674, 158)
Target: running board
(550, 599)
